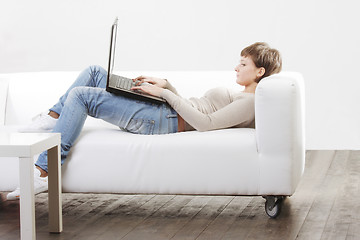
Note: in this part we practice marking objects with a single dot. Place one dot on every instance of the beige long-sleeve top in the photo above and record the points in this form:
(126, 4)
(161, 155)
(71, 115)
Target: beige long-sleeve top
(219, 108)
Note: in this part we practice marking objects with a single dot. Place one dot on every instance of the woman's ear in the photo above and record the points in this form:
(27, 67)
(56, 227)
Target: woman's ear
(261, 72)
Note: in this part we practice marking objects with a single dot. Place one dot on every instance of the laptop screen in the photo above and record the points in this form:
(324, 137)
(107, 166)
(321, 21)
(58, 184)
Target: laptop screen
(112, 47)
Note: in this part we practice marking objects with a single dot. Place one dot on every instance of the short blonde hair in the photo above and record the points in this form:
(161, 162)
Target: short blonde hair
(264, 56)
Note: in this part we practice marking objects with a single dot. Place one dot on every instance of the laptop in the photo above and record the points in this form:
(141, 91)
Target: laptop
(121, 85)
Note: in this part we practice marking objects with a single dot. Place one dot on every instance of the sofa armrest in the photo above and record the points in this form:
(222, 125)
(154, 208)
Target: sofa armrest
(279, 115)
(4, 86)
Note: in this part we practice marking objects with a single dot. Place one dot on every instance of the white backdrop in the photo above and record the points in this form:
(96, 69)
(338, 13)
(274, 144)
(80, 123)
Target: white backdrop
(319, 38)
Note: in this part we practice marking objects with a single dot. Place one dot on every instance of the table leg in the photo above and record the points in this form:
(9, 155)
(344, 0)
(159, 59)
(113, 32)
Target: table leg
(27, 199)
(55, 201)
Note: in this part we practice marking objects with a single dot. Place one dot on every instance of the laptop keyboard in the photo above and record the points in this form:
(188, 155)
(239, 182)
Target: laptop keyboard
(121, 85)
(124, 83)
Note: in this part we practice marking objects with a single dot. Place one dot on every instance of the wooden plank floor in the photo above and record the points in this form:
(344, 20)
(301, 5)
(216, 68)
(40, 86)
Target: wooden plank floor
(326, 205)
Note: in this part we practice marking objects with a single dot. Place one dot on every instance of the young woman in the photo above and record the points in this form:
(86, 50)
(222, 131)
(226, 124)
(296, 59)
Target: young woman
(219, 108)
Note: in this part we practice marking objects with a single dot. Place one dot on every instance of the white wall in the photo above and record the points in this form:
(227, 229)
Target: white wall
(317, 38)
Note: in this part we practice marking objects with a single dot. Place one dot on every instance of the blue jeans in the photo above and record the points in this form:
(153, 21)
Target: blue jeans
(87, 96)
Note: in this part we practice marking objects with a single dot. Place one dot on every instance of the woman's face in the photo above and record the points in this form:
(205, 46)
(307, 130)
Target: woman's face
(247, 72)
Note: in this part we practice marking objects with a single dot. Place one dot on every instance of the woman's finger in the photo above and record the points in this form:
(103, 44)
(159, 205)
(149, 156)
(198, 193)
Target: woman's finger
(140, 78)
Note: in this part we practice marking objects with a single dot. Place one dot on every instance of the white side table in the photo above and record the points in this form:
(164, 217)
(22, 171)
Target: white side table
(25, 146)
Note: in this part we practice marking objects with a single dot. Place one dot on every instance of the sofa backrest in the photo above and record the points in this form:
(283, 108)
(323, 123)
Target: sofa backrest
(32, 93)
(29, 94)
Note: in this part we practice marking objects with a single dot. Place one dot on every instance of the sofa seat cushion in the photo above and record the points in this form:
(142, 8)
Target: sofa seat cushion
(165, 164)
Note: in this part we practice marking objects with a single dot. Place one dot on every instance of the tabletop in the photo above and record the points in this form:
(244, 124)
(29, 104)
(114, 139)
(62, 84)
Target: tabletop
(26, 144)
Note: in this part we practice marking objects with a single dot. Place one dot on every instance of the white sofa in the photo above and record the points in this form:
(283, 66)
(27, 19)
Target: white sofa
(266, 161)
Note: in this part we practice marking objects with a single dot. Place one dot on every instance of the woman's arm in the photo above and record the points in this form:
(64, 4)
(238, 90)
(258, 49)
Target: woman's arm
(240, 112)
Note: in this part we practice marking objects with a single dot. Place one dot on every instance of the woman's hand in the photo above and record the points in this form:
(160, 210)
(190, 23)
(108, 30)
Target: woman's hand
(150, 85)
(150, 89)
(159, 82)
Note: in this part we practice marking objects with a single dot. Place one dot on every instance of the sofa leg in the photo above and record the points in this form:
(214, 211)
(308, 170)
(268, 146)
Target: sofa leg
(273, 205)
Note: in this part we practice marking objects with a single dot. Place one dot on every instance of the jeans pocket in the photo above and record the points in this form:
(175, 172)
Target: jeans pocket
(141, 126)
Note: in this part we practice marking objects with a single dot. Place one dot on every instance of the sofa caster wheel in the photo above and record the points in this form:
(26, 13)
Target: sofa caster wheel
(273, 205)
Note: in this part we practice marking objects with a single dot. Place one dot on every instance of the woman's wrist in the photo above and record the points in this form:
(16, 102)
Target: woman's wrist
(164, 83)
